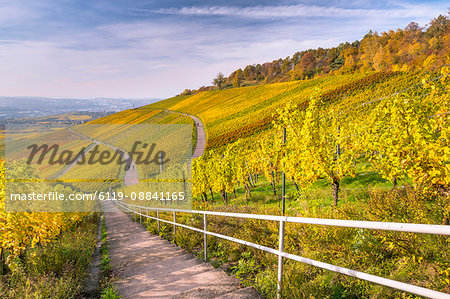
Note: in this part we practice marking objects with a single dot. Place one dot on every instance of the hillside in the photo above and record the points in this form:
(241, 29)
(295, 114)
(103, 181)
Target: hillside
(240, 112)
(350, 74)
(237, 114)
(230, 114)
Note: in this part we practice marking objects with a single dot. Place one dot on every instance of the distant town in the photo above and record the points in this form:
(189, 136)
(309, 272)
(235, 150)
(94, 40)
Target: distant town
(13, 108)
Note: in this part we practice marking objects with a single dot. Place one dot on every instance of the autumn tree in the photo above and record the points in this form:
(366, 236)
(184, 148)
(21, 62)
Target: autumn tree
(219, 80)
(368, 49)
(350, 59)
(439, 26)
(238, 77)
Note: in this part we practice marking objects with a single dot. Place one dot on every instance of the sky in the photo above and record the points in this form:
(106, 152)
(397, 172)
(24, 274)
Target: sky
(157, 48)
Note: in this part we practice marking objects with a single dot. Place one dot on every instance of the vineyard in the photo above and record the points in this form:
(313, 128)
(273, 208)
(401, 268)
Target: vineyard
(44, 254)
(380, 129)
(370, 146)
(337, 127)
(363, 142)
(24, 234)
(233, 110)
(401, 136)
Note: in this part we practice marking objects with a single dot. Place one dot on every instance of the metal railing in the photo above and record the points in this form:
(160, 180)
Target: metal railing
(388, 226)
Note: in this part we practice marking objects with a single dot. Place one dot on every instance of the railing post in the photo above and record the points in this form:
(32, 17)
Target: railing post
(157, 217)
(140, 215)
(146, 220)
(205, 242)
(283, 190)
(174, 226)
(280, 258)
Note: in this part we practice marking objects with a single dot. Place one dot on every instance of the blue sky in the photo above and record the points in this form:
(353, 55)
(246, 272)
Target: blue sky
(156, 48)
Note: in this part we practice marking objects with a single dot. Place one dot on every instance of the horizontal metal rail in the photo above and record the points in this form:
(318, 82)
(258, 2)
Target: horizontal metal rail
(389, 226)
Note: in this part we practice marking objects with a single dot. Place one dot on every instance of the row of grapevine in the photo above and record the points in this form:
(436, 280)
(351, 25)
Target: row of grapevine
(22, 230)
(224, 111)
(405, 135)
(354, 89)
(242, 132)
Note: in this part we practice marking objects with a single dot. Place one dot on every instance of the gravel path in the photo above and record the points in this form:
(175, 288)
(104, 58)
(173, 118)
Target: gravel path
(201, 134)
(201, 138)
(131, 176)
(148, 266)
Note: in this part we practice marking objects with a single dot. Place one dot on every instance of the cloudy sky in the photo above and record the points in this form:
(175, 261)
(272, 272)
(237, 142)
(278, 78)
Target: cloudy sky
(157, 48)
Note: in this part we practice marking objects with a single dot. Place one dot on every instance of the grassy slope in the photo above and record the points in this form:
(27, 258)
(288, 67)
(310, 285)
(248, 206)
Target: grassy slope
(144, 115)
(229, 110)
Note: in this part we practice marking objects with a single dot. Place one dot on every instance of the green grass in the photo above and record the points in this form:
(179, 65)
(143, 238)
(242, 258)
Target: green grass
(108, 291)
(319, 194)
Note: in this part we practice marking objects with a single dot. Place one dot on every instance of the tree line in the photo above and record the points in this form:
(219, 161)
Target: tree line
(411, 48)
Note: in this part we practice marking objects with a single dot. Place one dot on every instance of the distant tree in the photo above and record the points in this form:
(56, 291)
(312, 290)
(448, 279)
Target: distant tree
(438, 26)
(369, 46)
(286, 65)
(237, 79)
(186, 92)
(350, 55)
(308, 62)
(337, 63)
(413, 26)
(250, 73)
(305, 68)
(219, 80)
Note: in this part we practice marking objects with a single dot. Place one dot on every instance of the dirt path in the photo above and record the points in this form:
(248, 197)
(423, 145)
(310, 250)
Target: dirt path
(131, 176)
(201, 138)
(148, 266)
(201, 134)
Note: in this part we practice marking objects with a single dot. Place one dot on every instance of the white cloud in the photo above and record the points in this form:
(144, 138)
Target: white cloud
(302, 10)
